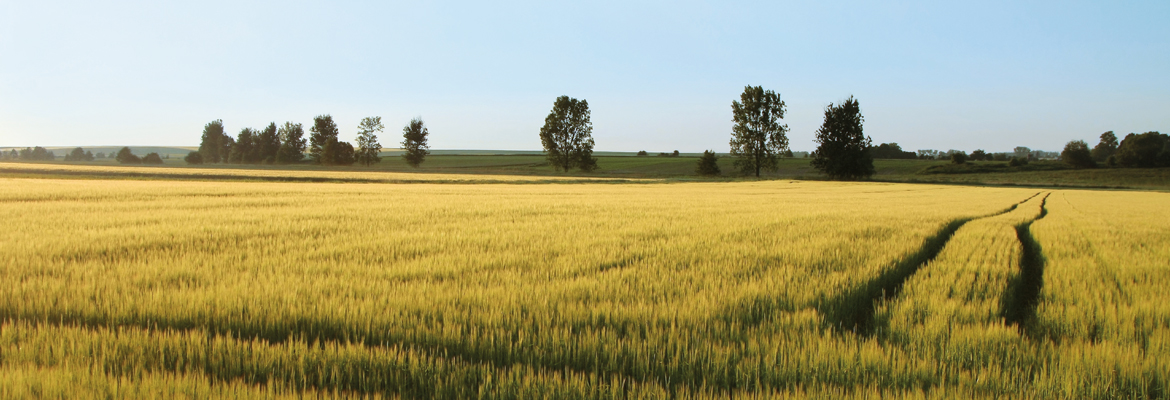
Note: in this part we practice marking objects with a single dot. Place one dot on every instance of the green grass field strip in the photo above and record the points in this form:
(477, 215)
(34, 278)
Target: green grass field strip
(853, 310)
(1023, 292)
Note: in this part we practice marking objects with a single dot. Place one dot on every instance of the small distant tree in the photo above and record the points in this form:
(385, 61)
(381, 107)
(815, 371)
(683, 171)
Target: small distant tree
(194, 158)
(323, 129)
(567, 135)
(152, 158)
(292, 143)
(959, 158)
(757, 137)
(100, 155)
(843, 148)
(979, 155)
(1001, 157)
(1023, 152)
(1077, 154)
(414, 142)
(643, 153)
(125, 156)
(367, 140)
(675, 154)
(1106, 147)
(708, 164)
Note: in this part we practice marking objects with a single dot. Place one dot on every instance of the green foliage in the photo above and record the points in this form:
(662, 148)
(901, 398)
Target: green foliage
(1018, 162)
(292, 143)
(891, 151)
(1106, 147)
(243, 152)
(1147, 150)
(843, 148)
(642, 153)
(266, 144)
(708, 164)
(367, 140)
(757, 137)
(567, 135)
(194, 158)
(215, 144)
(323, 129)
(414, 142)
(1077, 154)
(152, 158)
(958, 158)
(37, 154)
(126, 157)
(980, 155)
(336, 152)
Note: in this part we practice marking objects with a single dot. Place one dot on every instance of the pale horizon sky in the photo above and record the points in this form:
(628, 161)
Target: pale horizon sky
(658, 76)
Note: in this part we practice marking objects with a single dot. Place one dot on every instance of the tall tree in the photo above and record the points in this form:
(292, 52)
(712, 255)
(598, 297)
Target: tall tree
(567, 135)
(1106, 147)
(292, 143)
(267, 144)
(243, 151)
(843, 148)
(215, 144)
(367, 140)
(323, 129)
(757, 137)
(414, 142)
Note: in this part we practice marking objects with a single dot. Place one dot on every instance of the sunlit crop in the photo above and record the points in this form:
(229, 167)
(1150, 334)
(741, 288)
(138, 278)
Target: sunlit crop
(129, 288)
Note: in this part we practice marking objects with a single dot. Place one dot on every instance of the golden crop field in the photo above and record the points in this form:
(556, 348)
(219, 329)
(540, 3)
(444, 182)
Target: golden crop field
(159, 288)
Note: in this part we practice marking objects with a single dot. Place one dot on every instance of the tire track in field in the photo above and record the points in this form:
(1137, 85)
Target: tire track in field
(853, 310)
(1023, 293)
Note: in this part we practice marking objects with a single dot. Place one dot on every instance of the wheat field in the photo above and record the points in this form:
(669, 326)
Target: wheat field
(159, 288)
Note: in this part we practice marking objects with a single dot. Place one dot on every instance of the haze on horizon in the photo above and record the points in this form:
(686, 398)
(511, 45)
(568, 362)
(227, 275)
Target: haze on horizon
(658, 76)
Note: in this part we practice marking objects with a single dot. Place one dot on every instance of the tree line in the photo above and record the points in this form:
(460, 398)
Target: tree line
(287, 144)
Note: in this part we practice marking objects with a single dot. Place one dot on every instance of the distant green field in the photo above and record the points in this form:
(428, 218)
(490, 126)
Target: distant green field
(628, 165)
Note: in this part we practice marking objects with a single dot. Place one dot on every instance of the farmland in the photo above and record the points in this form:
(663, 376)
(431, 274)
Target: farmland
(465, 286)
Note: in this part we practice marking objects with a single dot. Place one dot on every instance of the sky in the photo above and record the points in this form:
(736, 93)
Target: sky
(658, 75)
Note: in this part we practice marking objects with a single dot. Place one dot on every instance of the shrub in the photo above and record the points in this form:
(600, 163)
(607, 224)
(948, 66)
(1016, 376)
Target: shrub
(708, 164)
(643, 153)
(152, 158)
(959, 158)
(194, 158)
(1018, 162)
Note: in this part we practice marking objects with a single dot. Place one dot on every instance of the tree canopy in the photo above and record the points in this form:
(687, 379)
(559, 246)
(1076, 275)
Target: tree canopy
(1077, 154)
(414, 142)
(215, 144)
(367, 140)
(323, 129)
(292, 143)
(125, 156)
(757, 137)
(843, 148)
(567, 135)
(1106, 147)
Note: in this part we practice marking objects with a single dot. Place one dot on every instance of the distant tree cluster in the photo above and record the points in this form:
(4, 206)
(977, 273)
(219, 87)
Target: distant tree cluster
(286, 144)
(28, 154)
(79, 154)
(891, 151)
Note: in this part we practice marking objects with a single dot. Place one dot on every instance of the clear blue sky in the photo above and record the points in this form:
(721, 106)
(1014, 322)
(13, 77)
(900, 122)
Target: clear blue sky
(658, 76)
